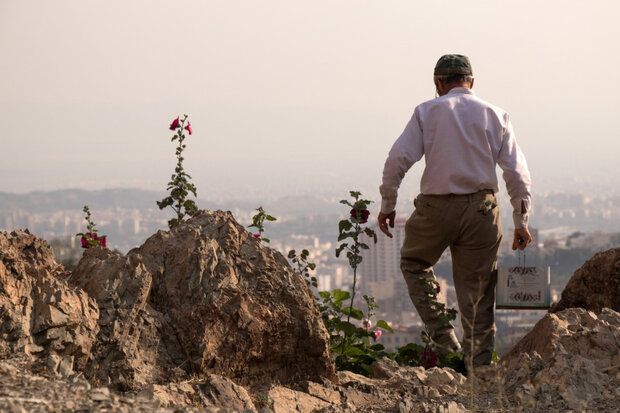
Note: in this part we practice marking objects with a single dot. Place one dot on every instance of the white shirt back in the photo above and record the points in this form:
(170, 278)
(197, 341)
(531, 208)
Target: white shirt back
(462, 138)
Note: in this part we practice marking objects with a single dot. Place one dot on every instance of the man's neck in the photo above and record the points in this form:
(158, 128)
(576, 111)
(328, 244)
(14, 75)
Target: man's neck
(451, 86)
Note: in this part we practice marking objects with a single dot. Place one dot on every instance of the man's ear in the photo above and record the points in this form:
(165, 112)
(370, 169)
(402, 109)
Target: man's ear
(437, 86)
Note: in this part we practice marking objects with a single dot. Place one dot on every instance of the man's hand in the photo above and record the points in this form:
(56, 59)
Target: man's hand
(522, 238)
(384, 219)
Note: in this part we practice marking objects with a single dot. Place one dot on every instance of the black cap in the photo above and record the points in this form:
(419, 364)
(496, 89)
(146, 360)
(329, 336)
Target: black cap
(453, 64)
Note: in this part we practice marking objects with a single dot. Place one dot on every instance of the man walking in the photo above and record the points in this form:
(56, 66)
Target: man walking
(462, 139)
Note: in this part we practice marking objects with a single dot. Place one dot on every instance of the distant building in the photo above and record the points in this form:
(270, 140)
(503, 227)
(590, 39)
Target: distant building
(381, 262)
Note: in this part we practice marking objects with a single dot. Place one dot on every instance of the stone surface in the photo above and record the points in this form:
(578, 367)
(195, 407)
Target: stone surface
(135, 345)
(594, 286)
(237, 307)
(567, 360)
(205, 318)
(204, 298)
(286, 400)
(40, 312)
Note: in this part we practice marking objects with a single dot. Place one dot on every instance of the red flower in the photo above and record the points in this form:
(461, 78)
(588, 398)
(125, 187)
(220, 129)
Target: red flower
(175, 124)
(364, 215)
(256, 235)
(94, 237)
(438, 289)
(189, 128)
(428, 358)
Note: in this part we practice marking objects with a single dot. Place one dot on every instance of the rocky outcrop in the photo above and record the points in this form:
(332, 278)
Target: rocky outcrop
(570, 360)
(204, 298)
(237, 307)
(594, 286)
(135, 345)
(40, 313)
(205, 318)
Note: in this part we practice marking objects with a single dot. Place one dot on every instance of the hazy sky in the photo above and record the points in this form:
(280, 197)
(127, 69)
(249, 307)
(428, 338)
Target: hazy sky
(288, 96)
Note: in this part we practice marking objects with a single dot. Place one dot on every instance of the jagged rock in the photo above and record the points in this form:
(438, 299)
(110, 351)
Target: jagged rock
(594, 286)
(238, 308)
(215, 391)
(135, 345)
(204, 298)
(40, 312)
(565, 360)
(384, 368)
(326, 391)
(223, 392)
(286, 400)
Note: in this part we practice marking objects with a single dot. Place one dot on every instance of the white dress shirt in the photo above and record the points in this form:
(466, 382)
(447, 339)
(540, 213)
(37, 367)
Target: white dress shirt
(462, 138)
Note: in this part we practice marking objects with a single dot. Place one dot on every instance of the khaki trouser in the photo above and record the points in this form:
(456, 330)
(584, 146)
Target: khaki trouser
(470, 226)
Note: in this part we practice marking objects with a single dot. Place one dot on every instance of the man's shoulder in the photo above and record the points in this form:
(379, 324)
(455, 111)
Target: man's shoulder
(469, 100)
(500, 111)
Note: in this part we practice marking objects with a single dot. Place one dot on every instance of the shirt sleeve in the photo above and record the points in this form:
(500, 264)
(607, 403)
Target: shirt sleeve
(517, 177)
(407, 150)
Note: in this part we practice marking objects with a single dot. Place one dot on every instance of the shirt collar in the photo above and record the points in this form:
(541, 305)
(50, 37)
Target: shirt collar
(461, 90)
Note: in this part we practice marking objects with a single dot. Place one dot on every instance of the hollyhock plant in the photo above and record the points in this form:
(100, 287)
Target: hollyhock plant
(179, 186)
(90, 238)
(258, 222)
(366, 324)
(378, 334)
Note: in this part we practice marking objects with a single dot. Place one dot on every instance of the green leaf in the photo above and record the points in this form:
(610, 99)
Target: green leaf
(354, 352)
(377, 347)
(382, 324)
(340, 295)
(353, 312)
(340, 248)
(348, 234)
(324, 294)
(291, 254)
(270, 218)
(344, 225)
(346, 327)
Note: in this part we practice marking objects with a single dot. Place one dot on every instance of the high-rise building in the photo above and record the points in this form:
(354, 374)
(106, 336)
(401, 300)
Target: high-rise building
(381, 262)
(381, 277)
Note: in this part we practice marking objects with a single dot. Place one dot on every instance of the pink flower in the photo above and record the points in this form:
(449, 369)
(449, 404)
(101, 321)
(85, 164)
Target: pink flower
(364, 215)
(102, 241)
(189, 128)
(428, 358)
(256, 235)
(438, 289)
(366, 324)
(378, 334)
(175, 124)
(84, 243)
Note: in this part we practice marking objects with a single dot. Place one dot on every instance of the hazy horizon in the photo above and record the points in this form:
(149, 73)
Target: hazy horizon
(291, 98)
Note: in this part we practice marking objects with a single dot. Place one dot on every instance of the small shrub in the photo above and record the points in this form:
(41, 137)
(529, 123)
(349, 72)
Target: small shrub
(90, 238)
(258, 222)
(179, 186)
